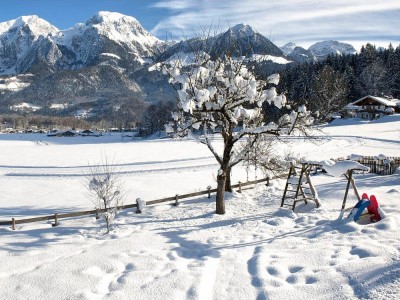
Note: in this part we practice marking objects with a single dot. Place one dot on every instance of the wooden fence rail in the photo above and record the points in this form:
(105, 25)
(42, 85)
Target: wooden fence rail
(175, 198)
(379, 166)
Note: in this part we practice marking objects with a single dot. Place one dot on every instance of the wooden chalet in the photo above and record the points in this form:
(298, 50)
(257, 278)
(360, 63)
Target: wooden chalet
(372, 107)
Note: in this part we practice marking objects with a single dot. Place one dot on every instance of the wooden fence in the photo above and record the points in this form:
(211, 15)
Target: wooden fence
(241, 186)
(381, 167)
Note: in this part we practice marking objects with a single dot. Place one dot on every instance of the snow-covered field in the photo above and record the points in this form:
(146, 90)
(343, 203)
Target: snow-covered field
(255, 251)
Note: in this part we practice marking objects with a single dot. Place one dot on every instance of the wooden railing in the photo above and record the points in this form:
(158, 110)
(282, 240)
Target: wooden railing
(56, 216)
(380, 167)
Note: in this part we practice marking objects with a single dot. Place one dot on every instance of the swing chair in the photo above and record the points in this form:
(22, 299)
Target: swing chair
(347, 168)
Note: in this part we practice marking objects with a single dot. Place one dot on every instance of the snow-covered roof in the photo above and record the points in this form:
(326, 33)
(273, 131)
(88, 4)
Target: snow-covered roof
(381, 100)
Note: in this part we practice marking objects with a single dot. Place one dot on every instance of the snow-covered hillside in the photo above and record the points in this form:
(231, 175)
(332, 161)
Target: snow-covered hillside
(256, 251)
(323, 49)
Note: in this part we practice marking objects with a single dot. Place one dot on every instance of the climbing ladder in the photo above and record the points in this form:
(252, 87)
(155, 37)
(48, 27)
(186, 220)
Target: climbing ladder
(299, 186)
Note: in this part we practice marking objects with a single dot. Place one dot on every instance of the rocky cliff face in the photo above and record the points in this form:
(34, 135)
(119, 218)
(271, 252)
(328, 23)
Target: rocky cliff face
(18, 39)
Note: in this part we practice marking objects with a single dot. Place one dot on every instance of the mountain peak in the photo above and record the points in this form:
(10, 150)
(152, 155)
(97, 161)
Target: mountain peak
(288, 48)
(243, 28)
(120, 28)
(38, 25)
(110, 17)
(324, 48)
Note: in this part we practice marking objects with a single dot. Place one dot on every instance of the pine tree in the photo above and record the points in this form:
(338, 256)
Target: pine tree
(329, 92)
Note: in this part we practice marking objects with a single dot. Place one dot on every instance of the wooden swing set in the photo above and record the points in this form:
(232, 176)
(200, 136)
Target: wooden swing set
(299, 186)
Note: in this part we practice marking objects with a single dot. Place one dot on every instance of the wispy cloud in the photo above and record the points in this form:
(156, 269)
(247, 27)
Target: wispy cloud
(300, 21)
(174, 4)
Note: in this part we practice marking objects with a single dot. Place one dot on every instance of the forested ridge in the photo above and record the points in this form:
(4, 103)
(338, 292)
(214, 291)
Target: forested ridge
(328, 85)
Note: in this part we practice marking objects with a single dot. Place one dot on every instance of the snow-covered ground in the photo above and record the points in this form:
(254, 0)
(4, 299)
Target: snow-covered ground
(255, 251)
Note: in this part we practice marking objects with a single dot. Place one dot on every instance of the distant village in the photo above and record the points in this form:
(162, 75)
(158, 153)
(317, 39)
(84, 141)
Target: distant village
(368, 108)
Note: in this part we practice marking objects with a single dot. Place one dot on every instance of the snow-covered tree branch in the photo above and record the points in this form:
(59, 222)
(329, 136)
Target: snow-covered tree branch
(223, 97)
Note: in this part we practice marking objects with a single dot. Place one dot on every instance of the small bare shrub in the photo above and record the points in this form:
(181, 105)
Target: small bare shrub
(104, 184)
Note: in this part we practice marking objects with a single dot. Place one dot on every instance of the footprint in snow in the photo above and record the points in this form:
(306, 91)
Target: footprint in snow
(311, 280)
(361, 253)
(295, 269)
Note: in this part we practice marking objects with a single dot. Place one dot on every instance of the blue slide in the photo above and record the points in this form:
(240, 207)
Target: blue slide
(358, 209)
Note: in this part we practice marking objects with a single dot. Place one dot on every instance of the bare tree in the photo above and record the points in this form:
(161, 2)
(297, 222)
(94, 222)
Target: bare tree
(263, 156)
(104, 184)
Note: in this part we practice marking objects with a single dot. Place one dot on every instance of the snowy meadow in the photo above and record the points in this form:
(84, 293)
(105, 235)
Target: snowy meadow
(257, 250)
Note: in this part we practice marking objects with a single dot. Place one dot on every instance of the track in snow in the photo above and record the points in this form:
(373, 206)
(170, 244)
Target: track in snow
(174, 165)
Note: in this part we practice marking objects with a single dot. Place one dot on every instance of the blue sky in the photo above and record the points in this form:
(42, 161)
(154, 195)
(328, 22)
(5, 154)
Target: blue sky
(301, 21)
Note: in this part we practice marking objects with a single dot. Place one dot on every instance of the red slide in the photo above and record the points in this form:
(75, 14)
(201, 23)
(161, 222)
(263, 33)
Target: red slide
(373, 209)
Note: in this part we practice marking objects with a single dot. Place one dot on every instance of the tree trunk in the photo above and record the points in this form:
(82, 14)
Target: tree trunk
(220, 204)
(228, 184)
(223, 172)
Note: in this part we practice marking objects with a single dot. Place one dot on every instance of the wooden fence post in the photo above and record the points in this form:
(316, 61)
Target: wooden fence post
(209, 192)
(176, 200)
(267, 181)
(240, 187)
(138, 211)
(97, 214)
(55, 221)
(13, 224)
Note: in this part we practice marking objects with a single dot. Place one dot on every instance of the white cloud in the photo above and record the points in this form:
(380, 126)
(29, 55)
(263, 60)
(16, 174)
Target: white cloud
(300, 21)
(174, 4)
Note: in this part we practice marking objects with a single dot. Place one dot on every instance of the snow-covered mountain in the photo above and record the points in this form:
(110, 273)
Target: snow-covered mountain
(244, 40)
(29, 42)
(19, 38)
(90, 63)
(301, 55)
(322, 49)
(317, 51)
(288, 48)
(108, 33)
(239, 40)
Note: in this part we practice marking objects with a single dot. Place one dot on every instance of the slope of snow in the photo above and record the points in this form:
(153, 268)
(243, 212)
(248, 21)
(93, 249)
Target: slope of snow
(25, 106)
(181, 58)
(58, 105)
(13, 84)
(257, 250)
(275, 59)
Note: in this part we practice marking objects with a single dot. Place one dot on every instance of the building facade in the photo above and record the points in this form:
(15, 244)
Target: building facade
(372, 107)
